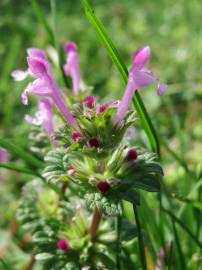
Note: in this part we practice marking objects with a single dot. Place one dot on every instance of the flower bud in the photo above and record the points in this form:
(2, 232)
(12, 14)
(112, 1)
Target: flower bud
(94, 142)
(102, 108)
(76, 136)
(103, 186)
(62, 244)
(90, 100)
(132, 155)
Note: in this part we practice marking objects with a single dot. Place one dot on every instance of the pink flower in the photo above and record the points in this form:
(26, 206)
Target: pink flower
(44, 116)
(44, 84)
(3, 155)
(160, 259)
(19, 75)
(71, 67)
(139, 77)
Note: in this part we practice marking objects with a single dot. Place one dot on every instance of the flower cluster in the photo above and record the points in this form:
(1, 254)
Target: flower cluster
(88, 153)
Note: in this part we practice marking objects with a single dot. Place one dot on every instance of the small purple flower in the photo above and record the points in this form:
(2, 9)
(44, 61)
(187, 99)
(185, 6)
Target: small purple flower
(3, 155)
(44, 84)
(19, 75)
(71, 67)
(160, 259)
(139, 77)
(44, 116)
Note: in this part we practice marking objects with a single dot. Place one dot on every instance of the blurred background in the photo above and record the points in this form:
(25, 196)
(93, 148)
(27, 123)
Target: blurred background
(173, 31)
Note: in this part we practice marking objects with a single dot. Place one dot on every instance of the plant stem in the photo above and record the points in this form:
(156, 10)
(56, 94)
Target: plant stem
(30, 264)
(179, 249)
(95, 223)
(118, 249)
(140, 239)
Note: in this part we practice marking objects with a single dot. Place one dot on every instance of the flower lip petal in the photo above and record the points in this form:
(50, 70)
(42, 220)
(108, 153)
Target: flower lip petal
(161, 89)
(141, 57)
(19, 75)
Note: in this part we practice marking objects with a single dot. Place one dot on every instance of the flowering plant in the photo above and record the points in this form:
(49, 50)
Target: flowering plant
(88, 160)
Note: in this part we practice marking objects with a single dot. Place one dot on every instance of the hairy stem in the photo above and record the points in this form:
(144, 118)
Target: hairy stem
(95, 223)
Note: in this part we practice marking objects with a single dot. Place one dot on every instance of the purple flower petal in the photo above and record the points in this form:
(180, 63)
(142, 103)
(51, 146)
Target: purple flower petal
(141, 57)
(44, 116)
(71, 67)
(161, 89)
(141, 79)
(37, 53)
(3, 155)
(38, 67)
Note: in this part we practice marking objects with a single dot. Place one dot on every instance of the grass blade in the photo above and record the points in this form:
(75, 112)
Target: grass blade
(137, 101)
(56, 44)
(13, 167)
(183, 226)
(179, 248)
(42, 19)
(18, 151)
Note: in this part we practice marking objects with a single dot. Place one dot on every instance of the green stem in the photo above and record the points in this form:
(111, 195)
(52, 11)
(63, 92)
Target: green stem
(118, 248)
(179, 249)
(140, 239)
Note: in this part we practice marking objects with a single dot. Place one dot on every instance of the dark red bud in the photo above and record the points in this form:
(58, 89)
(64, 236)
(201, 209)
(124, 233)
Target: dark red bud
(132, 155)
(102, 108)
(103, 186)
(76, 136)
(94, 142)
(62, 244)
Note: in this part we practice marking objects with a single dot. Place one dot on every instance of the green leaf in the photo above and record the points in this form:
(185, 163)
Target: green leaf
(137, 101)
(44, 256)
(105, 205)
(19, 152)
(57, 165)
(107, 261)
(149, 183)
(128, 231)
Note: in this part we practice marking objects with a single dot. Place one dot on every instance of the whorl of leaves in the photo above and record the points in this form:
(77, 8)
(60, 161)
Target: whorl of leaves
(57, 165)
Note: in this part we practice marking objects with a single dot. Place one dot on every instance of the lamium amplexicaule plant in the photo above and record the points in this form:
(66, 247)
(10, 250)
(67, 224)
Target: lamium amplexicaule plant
(76, 215)
(89, 162)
